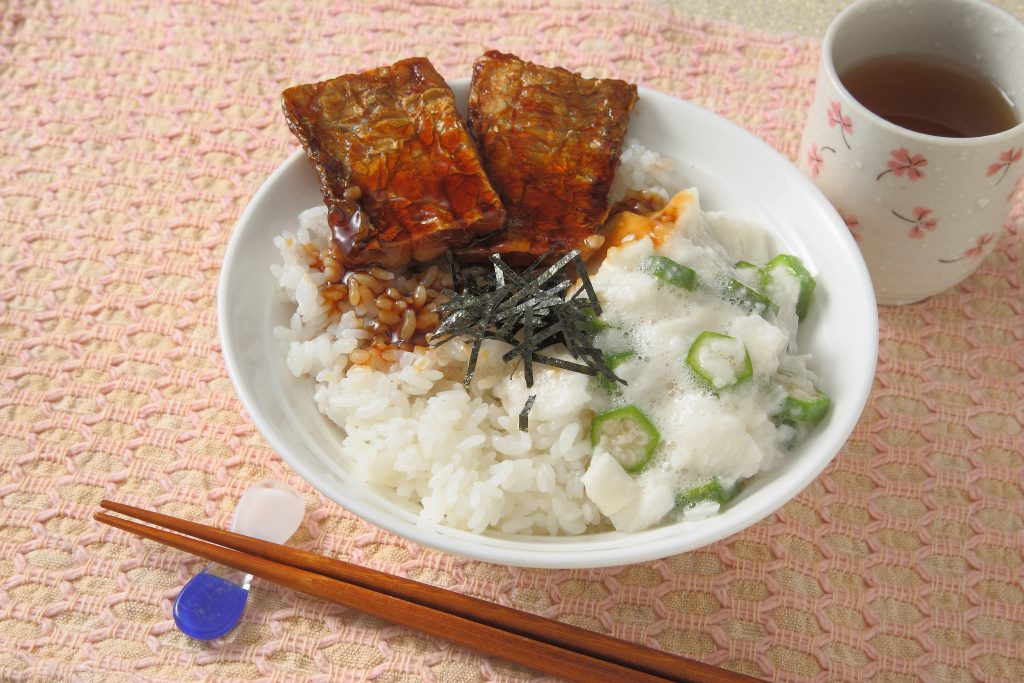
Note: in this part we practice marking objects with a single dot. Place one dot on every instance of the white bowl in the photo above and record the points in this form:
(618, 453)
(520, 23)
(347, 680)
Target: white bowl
(734, 171)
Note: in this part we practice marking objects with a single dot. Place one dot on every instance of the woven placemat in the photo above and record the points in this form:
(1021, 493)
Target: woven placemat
(132, 135)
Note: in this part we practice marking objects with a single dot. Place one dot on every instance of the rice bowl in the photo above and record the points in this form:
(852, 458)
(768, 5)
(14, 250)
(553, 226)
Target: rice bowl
(770, 192)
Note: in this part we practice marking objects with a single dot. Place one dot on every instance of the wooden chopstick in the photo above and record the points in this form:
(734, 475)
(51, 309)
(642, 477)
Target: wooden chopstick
(534, 641)
(514, 647)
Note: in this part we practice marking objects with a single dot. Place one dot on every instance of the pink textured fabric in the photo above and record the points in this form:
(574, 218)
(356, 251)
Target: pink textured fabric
(132, 134)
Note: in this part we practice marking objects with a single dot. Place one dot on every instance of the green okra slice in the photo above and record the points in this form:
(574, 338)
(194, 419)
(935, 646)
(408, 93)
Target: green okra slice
(715, 491)
(748, 298)
(804, 406)
(665, 269)
(719, 360)
(593, 322)
(613, 361)
(793, 267)
(628, 435)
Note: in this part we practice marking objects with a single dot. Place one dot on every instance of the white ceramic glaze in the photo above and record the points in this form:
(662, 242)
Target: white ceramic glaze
(734, 171)
(925, 210)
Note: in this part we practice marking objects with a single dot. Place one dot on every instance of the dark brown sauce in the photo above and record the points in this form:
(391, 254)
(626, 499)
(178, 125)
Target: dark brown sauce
(346, 225)
(931, 95)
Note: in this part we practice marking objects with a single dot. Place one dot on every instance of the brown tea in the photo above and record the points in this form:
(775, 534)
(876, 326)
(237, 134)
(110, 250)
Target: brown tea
(930, 95)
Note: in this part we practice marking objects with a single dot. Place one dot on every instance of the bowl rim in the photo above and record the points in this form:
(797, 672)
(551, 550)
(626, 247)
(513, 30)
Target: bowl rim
(606, 548)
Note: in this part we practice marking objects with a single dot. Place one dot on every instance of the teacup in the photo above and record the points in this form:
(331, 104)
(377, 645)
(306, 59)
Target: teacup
(925, 209)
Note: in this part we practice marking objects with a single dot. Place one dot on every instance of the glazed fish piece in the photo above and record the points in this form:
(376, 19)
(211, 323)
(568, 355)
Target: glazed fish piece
(551, 141)
(400, 175)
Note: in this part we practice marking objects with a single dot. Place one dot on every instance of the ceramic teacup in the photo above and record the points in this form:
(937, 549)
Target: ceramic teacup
(925, 209)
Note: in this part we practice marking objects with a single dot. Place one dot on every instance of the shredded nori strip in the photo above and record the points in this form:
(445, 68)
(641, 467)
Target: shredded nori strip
(524, 419)
(528, 311)
(527, 348)
(587, 285)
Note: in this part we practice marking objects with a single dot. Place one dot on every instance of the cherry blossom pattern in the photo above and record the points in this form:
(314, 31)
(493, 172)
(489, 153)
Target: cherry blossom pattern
(975, 250)
(903, 162)
(923, 221)
(852, 223)
(816, 158)
(837, 118)
(1006, 159)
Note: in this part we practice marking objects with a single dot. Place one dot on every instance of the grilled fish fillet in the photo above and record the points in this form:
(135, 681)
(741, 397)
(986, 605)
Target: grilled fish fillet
(550, 140)
(400, 175)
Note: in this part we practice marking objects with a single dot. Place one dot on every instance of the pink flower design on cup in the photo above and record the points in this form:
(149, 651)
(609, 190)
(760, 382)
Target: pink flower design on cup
(975, 250)
(815, 158)
(902, 162)
(923, 221)
(979, 244)
(1006, 159)
(837, 118)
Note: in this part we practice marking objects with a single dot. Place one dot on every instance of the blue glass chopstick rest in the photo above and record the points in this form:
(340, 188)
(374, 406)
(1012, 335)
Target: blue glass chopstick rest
(213, 601)
(209, 606)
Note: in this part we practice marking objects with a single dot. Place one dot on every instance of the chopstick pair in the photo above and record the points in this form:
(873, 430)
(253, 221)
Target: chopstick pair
(542, 644)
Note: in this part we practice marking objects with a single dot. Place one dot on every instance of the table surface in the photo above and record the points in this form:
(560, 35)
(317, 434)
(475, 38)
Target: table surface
(809, 18)
(132, 135)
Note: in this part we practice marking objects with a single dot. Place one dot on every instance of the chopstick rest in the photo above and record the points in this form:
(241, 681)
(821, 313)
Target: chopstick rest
(547, 645)
(213, 601)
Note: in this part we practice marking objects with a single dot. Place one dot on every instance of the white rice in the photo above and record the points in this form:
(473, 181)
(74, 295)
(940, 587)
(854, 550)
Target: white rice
(643, 169)
(414, 430)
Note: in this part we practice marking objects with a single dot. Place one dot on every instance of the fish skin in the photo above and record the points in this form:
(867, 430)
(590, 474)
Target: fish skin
(550, 140)
(400, 175)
